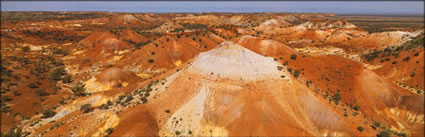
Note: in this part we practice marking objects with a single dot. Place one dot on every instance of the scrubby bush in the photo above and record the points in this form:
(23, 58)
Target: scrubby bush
(356, 107)
(384, 133)
(16, 93)
(26, 49)
(294, 56)
(406, 59)
(13, 132)
(296, 73)
(413, 74)
(144, 100)
(41, 92)
(32, 85)
(416, 54)
(79, 89)
(119, 85)
(86, 108)
(360, 128)
(336, 98)
(5, 98)
(150, 60)
(57, 74)
(48, 113)
(109, 131)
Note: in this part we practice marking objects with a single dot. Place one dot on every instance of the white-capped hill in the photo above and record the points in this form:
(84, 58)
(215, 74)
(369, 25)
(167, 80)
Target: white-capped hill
(230, 60)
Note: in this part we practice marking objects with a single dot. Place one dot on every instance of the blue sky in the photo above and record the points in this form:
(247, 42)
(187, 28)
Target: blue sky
(410, 7)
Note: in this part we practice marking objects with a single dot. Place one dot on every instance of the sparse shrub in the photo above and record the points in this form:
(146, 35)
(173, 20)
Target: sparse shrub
(32, 85)
(119, 85)
(296, 73)
(395, 62)
(79, 89)
(279, 68)
(62, 101)
(356, 107)
(121, 98)
(57, 74)
(167, 111)
(144, 100)
(376, 124)
(413, 74)
(400, 134)
(416, 54)
(86, 108)
(128, 98)
(13, 132)
(294, 56)
(109, 131)
(150, 60)
(336, 98)
(384, 133)
(41, 92)
(48, 113)
(26, 49)
(66, 79)
(360, 128)
(406, 59)
(16, 93)
(289, 70)
(5, 98)
(86, 60)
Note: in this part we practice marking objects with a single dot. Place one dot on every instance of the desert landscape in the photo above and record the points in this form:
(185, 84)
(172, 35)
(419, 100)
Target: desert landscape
(211, 74)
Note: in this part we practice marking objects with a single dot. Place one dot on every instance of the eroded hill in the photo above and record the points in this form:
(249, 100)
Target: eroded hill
(209, 74)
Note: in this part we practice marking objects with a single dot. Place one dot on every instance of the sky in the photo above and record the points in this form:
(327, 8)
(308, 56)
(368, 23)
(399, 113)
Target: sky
(337, 7)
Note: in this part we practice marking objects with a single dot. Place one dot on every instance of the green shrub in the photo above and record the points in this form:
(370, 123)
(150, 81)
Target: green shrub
(26, 49)
(296, 73)
(400, 134)
(48, 113)
(41, 92)
(57, 74)
(144, 100)
(336, 98)
(86, 108)
(109, 131)
(294, 56)
(16, 93)
(384, 133)
(79, 89)
(413, 74)
(289, 70)
(119, 85)
(150, 60)
(360, 128)
(32, 85)
(5, 98)
(356, 107)
(13, 132)
(416, 54)
(406, 59)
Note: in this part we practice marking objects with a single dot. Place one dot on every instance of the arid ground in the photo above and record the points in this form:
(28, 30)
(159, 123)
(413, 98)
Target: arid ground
(211, 74)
